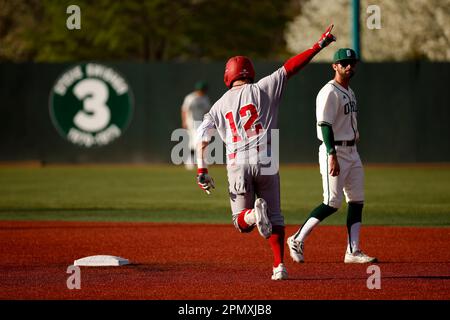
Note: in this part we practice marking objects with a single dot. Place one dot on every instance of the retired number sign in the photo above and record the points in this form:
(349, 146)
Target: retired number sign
(91, 105)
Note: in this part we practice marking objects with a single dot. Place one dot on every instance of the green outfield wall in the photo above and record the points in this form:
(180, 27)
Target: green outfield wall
(403, 111)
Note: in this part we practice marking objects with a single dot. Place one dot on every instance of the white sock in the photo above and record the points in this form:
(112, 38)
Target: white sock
(307, 228)
(249, 217)
(353, 241)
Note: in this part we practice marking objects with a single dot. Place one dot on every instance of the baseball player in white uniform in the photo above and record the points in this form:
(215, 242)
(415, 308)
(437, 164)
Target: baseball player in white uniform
(340, 164)
(244, 117)
(194, 107)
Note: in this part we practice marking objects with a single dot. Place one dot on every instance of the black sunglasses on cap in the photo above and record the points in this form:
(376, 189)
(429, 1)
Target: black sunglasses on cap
(345, 63)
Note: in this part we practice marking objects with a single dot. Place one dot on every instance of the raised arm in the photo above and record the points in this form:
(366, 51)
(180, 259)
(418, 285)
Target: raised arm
(294, 64)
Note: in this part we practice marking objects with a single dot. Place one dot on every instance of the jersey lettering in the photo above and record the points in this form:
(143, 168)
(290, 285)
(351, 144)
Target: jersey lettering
(251, 128)
(230, 118)
(350, 107)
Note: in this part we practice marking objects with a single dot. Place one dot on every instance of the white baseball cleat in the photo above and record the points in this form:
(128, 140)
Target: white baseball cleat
(295, 249)
(262, 220)
(280, 272)
(358, 257)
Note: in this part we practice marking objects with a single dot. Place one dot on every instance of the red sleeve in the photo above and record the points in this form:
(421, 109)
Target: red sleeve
(294, 64)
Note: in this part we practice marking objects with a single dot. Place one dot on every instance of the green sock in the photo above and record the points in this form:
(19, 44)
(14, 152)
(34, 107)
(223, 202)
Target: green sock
(322, 211)
(318, 214)
(354, 213)
(354, 218)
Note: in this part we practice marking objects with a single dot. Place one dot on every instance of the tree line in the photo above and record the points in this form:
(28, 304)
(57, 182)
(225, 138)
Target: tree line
(144, 30)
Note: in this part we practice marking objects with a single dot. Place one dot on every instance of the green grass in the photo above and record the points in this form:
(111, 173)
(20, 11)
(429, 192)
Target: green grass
(394, 195)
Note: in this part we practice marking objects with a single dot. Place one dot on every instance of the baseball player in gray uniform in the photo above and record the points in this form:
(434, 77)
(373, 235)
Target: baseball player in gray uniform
(340, 164)
(194, 107)
(244, 117)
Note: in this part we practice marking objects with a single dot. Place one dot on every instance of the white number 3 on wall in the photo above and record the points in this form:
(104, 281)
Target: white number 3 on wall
(95, 114)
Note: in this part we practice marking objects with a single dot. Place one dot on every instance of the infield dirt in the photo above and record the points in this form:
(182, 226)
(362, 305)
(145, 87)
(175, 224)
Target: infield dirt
(207, 262)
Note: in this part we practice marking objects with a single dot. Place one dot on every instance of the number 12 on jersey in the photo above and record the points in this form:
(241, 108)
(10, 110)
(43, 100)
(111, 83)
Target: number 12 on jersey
(250, 127)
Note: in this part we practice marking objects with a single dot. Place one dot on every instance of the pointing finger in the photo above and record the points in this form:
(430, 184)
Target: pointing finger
(329, 28)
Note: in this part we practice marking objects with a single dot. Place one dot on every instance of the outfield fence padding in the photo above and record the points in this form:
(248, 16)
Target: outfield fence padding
(403, 111)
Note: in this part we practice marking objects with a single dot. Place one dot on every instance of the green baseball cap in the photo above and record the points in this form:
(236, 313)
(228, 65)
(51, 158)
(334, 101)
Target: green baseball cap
(345, 54)
(201, 85)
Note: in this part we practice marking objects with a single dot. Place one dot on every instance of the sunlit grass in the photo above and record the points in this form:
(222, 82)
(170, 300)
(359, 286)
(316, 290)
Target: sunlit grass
(394, 195)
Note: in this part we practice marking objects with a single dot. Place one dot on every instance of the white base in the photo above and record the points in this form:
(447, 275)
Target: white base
(101, 261)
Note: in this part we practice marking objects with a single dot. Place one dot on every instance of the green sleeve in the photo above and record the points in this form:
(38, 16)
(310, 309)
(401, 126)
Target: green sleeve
(328, 138)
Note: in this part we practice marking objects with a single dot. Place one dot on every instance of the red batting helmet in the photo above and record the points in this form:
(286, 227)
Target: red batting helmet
(238, 67)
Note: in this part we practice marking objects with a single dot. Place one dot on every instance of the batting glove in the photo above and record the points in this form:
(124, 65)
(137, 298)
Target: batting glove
(204, 180)
(326, 38)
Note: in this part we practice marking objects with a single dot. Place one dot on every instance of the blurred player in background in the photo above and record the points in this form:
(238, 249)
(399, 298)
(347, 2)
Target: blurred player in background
(244, 117)
(194, 107)
(340, 164)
